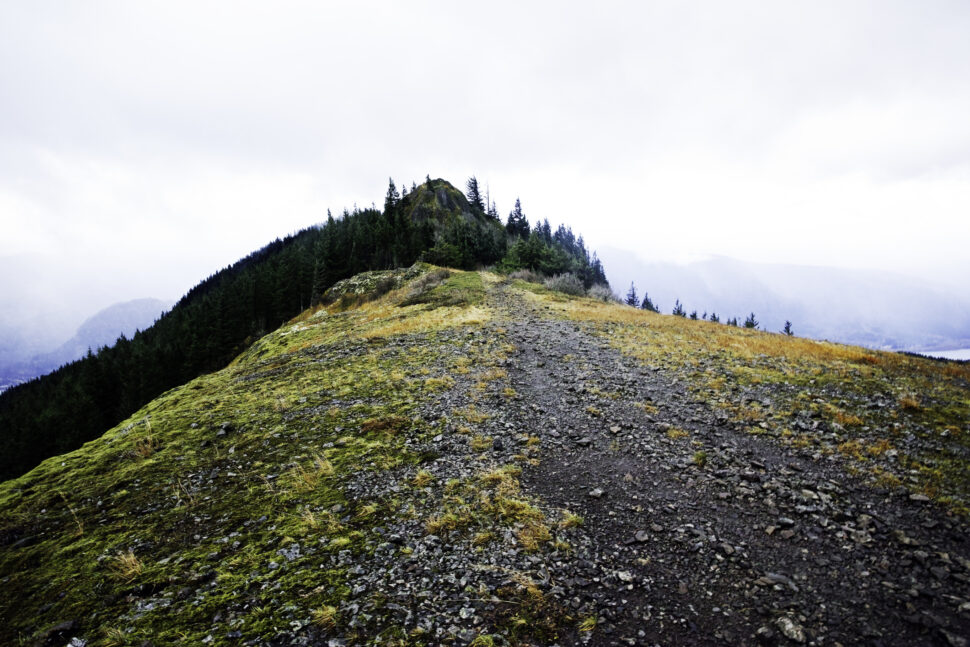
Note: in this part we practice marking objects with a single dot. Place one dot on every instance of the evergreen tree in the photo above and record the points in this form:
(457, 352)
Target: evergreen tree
(751, 322)
(517, 224)
(647, 304)
(393, 197)
(492, 211)
(474, 195)
(678, 309)
(715, 318)
(693, 315)
(546, 232)
(787, 329)
(631, 296)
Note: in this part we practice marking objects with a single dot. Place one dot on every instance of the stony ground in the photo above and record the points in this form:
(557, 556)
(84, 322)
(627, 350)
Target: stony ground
(459, 462)
(715, 535)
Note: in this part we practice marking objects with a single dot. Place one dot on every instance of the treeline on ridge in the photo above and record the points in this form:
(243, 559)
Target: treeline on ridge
(223, 314)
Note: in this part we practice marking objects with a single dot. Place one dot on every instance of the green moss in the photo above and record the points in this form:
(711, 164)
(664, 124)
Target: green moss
(190, 502)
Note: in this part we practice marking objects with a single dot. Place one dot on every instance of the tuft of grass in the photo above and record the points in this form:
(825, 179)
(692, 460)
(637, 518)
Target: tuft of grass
(437, 384)
(570, 520)
(388, 424)
(481, 443)
(423, 478)
(145, 446)
(909, 403)
(125, 566)
(532, 534)
(326, 616)
(483, 538)
(306, 478)
(471, 414)
(588, 624)
(848, 419)
(447, 522)
(647, 407)
(676, 432)
(700, 458)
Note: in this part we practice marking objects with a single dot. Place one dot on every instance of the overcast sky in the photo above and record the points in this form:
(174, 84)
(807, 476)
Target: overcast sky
(145, 145)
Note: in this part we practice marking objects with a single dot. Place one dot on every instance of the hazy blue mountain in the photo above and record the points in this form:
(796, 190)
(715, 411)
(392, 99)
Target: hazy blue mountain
(866, 307)
(101, 329)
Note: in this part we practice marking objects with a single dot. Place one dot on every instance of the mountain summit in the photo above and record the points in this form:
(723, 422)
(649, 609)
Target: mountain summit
(433, 456)
(221, 316)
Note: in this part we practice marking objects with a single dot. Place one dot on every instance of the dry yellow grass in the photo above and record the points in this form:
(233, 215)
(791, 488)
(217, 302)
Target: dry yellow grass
(125, 566)
(909, 403)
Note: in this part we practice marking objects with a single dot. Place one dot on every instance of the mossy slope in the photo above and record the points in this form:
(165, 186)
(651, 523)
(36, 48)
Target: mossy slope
(240, 507)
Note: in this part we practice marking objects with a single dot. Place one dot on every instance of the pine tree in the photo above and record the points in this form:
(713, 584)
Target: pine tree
(631, 296)
(678, 309)
(715, 318)
(787, 330)
(751, 322)
(693, 315)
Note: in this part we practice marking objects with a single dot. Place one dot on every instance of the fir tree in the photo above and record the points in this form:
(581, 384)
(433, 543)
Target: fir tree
(647, 304)
(693, 315)
(517, 224)
(715, 318)
(631, 296)
(787, 329)
(492, 211)
(474, 195)
(751, 322)
(678, 309)
(393, 197)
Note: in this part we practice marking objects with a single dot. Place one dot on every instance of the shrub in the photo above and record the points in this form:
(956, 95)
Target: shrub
(529, 276)
(566, 283)
(601, 292)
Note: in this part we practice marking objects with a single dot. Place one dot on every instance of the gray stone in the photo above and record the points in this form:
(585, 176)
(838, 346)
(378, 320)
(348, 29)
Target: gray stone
(791, 629)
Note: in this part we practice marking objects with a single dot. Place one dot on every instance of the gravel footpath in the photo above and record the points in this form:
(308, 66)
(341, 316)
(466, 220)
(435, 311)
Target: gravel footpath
(697, 533)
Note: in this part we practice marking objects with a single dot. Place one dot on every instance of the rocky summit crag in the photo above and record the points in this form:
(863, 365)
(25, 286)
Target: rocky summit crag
(438, 457)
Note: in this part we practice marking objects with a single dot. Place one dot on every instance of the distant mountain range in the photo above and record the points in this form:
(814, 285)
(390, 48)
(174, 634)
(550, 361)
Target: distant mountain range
(865, 307)
(101, 329)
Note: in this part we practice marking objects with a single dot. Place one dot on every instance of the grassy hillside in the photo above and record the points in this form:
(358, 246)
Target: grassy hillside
(396, 467)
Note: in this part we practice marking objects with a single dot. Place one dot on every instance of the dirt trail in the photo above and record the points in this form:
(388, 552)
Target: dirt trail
(697, 533)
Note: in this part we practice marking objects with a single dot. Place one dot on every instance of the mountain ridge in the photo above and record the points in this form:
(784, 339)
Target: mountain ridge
(449, 457)
(219, 317)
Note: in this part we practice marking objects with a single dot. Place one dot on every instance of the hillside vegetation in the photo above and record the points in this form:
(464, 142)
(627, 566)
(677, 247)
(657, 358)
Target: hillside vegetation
(433, 456)
(225, 313)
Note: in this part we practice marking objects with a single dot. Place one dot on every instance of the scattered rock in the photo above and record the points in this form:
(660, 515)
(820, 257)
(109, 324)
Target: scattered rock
(791, 629)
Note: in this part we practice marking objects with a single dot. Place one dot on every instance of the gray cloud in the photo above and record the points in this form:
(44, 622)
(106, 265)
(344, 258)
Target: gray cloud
(143, 146)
